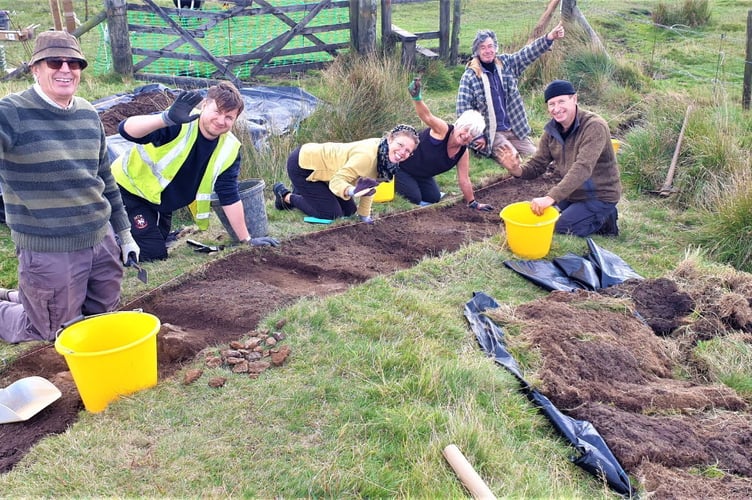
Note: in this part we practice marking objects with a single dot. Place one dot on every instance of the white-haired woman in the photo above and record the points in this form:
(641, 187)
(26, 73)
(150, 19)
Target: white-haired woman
(442, 147)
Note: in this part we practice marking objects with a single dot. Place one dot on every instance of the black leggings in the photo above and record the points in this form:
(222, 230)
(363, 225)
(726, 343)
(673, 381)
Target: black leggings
(417, 189)
(149, 226)
(315, 198)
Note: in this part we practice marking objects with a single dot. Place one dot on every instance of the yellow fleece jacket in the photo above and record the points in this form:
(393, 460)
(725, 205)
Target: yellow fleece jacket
(340, 165)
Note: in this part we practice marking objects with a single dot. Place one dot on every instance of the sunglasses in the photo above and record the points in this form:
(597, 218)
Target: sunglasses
(73, 64)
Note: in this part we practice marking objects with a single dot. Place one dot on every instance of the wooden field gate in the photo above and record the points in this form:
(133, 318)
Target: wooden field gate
(236, 40)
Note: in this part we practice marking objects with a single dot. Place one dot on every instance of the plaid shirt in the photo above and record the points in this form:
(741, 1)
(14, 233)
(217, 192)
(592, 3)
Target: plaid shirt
(472, 94)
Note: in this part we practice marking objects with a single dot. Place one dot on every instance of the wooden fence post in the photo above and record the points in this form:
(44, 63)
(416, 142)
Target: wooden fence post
(55, 11)
(69, 16)
(444, 21)
(455, 45)
(120, 42)
(387, 40)
(570, 12)
(747, 86)
(363, 25)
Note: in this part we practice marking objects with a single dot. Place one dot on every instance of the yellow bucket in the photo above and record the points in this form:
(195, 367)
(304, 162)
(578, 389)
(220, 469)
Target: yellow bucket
(110, 355)
(528, 235)
(384, 192)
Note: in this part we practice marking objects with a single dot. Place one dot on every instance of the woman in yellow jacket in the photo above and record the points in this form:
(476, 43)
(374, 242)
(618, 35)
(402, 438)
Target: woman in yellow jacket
(326, 177)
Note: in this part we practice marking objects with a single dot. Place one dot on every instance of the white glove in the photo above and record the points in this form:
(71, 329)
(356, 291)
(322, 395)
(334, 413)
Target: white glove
(128, 245)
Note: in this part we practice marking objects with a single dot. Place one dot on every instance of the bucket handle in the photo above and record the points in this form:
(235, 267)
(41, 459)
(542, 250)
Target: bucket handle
(65, 325)
(79, 318)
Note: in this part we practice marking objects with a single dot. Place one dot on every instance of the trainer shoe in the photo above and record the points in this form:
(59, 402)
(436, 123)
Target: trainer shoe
(5, 293)
(280, 191)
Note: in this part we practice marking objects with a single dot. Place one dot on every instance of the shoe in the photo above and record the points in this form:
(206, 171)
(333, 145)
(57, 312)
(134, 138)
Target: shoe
(280, 191)
(609, 227)
(5, 293)
(172, 238)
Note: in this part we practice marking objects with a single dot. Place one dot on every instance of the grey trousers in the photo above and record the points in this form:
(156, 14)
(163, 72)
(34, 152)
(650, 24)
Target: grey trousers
(524, 147)
(54, 288)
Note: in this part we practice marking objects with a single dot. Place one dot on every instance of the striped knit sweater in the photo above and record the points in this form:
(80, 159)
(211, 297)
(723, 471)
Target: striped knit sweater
(58, 190)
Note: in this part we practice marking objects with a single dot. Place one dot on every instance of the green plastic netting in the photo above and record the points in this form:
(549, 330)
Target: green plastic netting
(230, 37)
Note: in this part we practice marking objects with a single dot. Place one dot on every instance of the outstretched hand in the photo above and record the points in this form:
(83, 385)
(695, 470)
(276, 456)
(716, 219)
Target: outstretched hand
(481, 207)
(263, 241)
(180, 111)
(365, 187)
(509, 158)
(414, 88)
(556, 33)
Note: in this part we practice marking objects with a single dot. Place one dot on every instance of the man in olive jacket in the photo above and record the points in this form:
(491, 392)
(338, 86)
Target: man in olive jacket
(578, 142)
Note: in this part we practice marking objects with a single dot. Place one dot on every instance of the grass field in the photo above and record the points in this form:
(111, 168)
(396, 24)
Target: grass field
(369, 416)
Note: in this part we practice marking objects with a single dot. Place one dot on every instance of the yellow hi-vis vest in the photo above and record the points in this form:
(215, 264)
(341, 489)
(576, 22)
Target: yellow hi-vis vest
(145, 170)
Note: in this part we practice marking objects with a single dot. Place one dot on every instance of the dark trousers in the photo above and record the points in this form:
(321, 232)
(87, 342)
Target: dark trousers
(149, 226)
(315, 198)
(583, 218)
(417, 189)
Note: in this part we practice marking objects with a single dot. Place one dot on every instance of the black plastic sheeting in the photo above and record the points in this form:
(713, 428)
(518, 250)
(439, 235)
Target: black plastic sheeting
(268, 110)
(599, 268)
(594, 455)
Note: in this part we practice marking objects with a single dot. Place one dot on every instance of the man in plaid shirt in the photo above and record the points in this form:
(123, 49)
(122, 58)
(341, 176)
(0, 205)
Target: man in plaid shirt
(489, 86)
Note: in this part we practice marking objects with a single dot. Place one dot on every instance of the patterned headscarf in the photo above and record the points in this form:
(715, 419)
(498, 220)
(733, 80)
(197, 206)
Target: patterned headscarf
(386, 168)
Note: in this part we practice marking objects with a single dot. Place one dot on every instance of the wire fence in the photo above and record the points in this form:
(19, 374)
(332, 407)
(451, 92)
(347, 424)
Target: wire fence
(236, 35)
(678, 53)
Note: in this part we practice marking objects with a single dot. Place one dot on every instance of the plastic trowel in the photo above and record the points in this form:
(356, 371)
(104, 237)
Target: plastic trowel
(26, 397)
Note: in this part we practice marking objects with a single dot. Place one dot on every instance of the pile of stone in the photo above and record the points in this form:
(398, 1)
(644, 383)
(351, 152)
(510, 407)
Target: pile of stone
(261, 351)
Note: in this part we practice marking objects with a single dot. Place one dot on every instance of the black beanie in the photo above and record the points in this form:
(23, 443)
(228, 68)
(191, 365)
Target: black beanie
(557, 88)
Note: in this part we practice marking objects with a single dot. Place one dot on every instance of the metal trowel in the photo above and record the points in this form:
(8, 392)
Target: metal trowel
(201, 248)
(133, 263)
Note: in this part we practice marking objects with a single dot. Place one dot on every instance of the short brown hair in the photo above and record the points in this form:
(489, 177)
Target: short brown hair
(227, 97)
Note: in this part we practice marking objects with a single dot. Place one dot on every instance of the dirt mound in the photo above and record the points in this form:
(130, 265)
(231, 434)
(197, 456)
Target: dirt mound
(606, 358)
(143, 103)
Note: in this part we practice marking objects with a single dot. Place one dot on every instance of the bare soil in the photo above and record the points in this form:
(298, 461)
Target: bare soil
(599, 361)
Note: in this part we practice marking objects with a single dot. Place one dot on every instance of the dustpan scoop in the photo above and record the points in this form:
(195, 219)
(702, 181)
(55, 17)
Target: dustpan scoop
(26, 397)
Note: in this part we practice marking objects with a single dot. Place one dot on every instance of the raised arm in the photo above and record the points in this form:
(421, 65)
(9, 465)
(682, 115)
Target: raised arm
(438, 126)
(180, 112)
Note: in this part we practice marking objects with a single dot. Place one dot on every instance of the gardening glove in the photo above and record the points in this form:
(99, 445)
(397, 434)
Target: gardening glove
(414, 89)
(180, 111)
(128, 246)
(481, 207)
(367, 219)
(365, 184)
(263, 241)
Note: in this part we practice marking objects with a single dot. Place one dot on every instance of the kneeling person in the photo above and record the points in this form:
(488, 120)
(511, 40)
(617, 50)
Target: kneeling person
(179, 159)
(578, 142)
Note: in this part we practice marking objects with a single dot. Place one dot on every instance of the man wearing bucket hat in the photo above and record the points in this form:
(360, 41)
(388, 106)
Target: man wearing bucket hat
(62, 204)
(179, 158)
(578, 142)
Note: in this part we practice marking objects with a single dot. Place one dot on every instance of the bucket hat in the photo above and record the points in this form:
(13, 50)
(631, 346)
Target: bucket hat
(57, 44)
